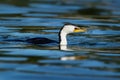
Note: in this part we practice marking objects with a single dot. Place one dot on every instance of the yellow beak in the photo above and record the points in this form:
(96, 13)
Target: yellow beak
(77, 29)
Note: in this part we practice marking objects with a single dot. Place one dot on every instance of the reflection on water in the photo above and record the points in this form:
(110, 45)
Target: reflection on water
(93, 55)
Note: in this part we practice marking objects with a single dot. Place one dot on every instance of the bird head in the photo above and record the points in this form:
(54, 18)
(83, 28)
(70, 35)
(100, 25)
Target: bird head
(71, 28)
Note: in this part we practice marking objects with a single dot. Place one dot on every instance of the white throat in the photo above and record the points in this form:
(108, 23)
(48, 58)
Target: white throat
(63, 33)
(63, 38)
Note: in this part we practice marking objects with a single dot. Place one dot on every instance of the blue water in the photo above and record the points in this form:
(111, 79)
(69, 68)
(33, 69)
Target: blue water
(92, 55)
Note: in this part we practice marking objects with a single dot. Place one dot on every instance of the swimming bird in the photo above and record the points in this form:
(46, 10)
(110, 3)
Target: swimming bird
(64, 31)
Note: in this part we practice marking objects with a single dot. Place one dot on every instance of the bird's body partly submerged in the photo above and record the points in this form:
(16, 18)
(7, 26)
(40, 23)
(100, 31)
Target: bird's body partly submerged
(65, 30)
(40, 40)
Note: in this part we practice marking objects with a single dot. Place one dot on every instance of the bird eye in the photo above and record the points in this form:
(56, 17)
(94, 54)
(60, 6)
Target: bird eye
(76, 28)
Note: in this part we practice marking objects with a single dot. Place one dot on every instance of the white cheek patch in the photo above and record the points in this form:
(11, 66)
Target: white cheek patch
(69, 28)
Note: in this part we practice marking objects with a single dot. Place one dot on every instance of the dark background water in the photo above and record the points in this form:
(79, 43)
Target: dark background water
(93, 55)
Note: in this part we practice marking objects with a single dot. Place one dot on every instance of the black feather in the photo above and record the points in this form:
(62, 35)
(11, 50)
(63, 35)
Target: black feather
(40, 40)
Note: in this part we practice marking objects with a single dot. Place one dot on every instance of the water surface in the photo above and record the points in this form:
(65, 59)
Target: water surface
(92, 55)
